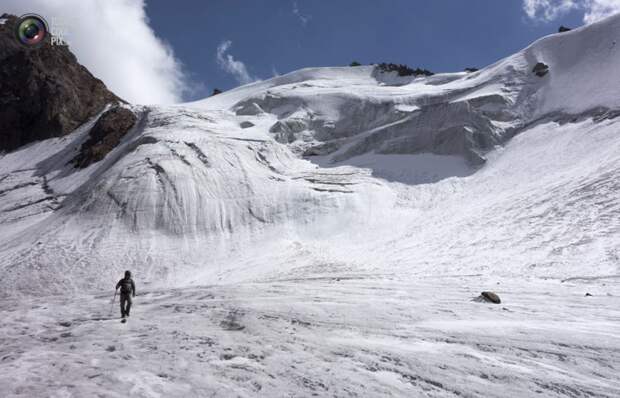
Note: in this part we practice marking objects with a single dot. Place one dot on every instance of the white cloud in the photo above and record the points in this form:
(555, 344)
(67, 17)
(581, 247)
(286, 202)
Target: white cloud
(548, 10)
(600, 9)
(303, 18)
(229, 64)
(113, 39)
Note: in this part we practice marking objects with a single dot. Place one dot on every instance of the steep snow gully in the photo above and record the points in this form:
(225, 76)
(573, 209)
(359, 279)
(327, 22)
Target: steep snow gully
(324, 232)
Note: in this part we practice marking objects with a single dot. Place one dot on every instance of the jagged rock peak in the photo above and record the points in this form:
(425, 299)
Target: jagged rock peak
(44, 91)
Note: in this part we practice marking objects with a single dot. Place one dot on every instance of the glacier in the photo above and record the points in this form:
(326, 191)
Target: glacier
(324, 232)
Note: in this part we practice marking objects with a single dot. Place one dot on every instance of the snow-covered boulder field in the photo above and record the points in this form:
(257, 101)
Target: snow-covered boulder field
(325, 233)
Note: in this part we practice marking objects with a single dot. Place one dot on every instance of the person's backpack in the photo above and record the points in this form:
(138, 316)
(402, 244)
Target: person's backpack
(126, 286)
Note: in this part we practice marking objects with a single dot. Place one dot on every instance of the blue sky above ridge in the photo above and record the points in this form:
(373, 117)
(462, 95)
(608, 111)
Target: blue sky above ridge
(158, 52)
(225, 43)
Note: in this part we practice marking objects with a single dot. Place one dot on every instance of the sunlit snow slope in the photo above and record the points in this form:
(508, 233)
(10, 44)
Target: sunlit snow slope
(330, 170)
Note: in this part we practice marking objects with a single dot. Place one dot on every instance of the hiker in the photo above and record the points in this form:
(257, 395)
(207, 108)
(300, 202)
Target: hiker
(128, 291)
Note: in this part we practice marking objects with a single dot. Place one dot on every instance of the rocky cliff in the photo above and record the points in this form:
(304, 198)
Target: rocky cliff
(44, 91)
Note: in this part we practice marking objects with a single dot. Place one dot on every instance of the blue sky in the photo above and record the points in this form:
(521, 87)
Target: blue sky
(279, 36)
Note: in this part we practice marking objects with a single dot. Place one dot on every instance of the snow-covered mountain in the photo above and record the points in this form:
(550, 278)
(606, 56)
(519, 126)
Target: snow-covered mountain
(347, 216)
(346, 166)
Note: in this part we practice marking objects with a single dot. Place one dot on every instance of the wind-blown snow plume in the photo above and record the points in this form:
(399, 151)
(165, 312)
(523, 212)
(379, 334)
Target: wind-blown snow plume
(114, 41)
(235, 67)
(548, 10)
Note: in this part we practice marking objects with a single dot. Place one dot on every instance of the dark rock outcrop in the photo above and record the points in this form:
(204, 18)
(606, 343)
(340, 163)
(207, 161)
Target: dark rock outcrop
(490, 297)
(564, 29)
(403, 70)
(471, 70)
(105, 135)
(44, 91)
(540, 69)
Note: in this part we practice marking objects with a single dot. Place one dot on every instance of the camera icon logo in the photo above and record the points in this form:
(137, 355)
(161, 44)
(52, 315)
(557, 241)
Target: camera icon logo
(31, 30)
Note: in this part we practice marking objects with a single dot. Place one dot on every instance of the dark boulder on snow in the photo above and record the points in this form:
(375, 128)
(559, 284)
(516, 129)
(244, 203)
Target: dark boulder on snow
(563, 29)
(44, 91)
(105, 135)
(490, 297)
(471, 70)
(540, 69)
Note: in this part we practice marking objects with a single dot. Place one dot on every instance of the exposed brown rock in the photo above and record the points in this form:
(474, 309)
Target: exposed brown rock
(105, 135)
(44, 91)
